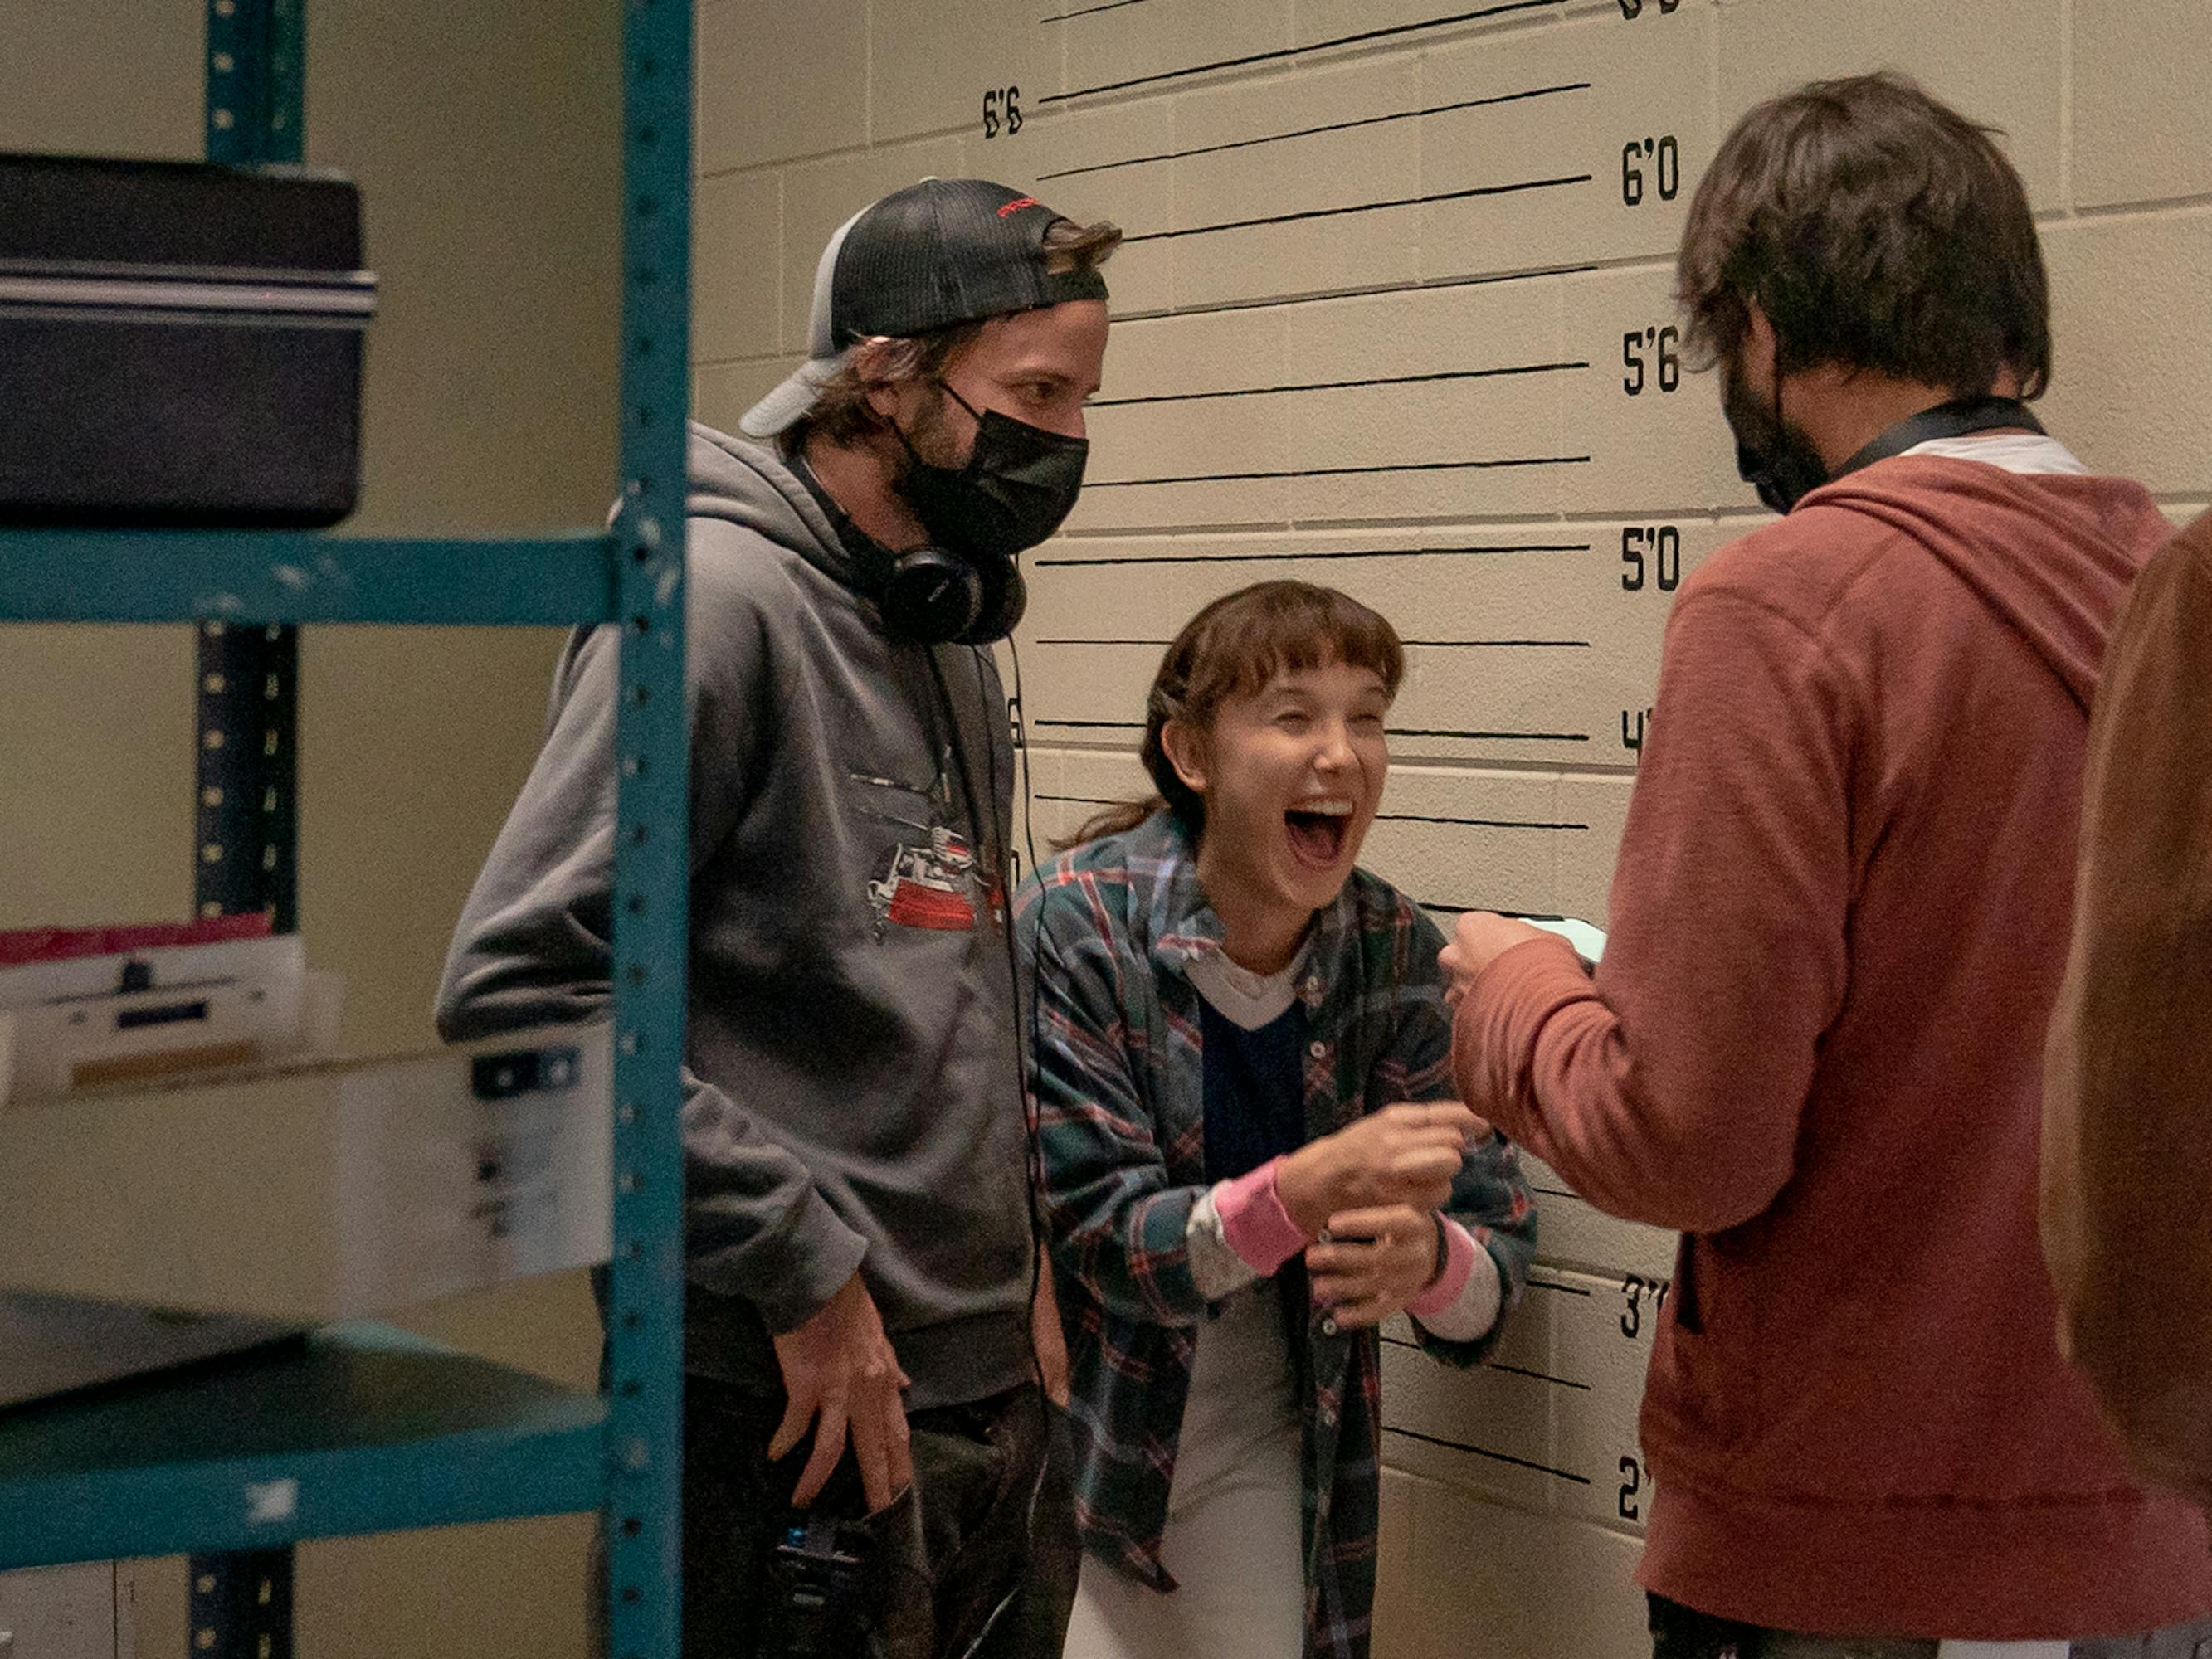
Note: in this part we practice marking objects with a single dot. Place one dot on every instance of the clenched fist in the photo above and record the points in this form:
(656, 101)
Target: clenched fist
(1402, 1156)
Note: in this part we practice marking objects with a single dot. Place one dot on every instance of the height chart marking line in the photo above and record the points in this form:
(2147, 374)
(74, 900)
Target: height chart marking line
(1309, 132)
(1345, 471)
(1518, 188)
(1340, 385)
(1281, 52)
(1350, 553)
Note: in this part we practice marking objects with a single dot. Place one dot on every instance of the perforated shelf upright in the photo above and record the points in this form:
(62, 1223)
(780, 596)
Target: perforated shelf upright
(365, 1428)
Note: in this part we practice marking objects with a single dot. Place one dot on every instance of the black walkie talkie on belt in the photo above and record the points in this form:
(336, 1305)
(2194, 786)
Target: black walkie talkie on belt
(817, 1576)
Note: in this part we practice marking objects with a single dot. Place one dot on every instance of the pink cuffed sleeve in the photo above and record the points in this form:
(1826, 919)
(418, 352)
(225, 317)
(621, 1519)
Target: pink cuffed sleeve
(1465, 1302)
(1254, 1222)
(1459, 1262)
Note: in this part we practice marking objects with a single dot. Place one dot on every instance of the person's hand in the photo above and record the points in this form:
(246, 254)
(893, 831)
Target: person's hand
(1051, 1341)
(1373, 1263)
(1405, 1155)
(841, 1376)
(1479, 940)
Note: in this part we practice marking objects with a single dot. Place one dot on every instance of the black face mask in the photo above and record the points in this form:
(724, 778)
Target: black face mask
(1019, 484)
(1774, 458)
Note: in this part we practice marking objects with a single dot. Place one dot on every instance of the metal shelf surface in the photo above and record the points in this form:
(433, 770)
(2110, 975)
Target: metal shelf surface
(277, 576)
(359, 1428)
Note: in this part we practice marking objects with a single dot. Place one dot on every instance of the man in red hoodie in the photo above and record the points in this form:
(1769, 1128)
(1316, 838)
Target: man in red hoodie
(1838, 930)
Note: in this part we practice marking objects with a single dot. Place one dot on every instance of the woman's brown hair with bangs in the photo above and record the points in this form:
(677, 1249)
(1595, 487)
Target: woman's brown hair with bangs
(1234, 648)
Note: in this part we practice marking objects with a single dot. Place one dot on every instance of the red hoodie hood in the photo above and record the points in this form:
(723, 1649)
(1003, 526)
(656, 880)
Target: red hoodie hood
(2051, 554)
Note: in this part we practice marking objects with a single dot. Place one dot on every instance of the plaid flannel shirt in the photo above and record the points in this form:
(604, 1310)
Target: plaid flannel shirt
(1116, 1081)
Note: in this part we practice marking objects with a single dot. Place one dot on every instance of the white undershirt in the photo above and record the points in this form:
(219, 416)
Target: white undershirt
(1250, 1001)
(2029, 452)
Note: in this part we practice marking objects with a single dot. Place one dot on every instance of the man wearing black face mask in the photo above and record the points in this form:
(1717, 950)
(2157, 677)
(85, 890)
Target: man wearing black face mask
(867, 1338)
(1838, 930)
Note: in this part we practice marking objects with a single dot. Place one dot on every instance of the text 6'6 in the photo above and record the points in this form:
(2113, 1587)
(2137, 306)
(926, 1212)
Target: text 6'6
(1002, 112)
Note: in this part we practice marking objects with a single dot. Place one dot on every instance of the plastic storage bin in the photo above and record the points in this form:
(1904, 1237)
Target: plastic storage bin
(179, 344)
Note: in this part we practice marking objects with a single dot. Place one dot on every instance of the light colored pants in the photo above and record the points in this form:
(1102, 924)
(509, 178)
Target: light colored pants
(1233, 1538)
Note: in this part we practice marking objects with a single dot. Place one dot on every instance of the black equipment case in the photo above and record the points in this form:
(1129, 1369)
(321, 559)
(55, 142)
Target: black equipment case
(179, 344)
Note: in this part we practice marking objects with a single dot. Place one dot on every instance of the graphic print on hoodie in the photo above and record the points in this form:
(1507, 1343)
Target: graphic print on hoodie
(933, 879)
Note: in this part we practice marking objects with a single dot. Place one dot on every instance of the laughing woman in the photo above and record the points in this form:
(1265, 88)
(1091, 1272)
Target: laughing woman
(1241, 1066)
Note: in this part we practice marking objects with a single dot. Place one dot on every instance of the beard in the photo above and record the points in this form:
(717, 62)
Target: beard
(1773, 455)
(933, 438)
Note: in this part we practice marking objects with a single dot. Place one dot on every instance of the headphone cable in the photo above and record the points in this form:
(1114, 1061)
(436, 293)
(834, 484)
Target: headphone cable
(1001, 874)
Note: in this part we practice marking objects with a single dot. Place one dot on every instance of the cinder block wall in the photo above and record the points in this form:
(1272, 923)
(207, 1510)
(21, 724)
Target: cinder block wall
(1388, 319)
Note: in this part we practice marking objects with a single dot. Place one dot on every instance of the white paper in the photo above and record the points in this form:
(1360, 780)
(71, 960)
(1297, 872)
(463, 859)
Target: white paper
(2003, 1649)
(1589, 941)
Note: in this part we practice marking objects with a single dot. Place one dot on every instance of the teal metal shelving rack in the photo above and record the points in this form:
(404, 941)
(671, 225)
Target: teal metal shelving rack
(365, 1429)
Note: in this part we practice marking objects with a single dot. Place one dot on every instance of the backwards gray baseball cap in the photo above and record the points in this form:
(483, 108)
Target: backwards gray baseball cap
(945, 251)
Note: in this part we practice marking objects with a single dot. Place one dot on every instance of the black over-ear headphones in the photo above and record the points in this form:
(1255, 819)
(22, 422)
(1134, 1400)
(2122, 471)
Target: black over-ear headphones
(928, 595)
(933, 596)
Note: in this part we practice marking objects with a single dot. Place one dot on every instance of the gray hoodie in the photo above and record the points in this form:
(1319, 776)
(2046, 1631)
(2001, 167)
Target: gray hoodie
(853, 1093)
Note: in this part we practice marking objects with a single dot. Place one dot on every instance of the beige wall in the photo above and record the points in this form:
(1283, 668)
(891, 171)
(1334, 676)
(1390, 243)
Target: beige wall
(1527, 1558)
(487, 153)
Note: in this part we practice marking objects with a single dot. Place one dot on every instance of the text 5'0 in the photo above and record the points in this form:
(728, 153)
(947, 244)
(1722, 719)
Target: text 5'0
(1651, 554)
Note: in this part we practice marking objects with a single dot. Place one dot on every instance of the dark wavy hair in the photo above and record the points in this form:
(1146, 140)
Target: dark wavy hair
(1877, 228)
(1234, 648)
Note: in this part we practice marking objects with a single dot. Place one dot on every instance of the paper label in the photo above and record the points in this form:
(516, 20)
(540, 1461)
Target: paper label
(441, 1191)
